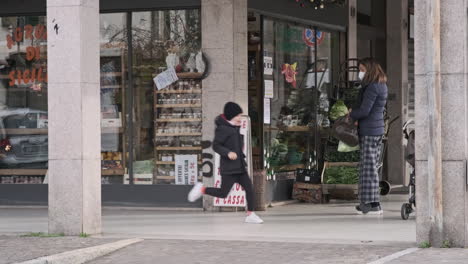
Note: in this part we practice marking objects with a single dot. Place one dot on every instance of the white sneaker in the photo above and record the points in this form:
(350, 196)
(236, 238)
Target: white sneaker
(253, 219)
(196, 192)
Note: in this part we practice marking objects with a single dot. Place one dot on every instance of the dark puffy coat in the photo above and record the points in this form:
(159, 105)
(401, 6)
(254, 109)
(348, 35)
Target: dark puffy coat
(370, 112)
(228, 139)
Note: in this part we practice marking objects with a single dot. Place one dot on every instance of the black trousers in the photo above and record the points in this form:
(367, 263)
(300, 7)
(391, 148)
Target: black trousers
(227, 181)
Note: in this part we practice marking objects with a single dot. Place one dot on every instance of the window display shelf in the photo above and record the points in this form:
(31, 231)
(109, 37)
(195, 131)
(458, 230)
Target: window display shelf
(178, 105)
(22, 172)
(178, 148)
(177, 115)
(179, 92)
(189, 75)
(178, 134)
(111, 172)
(171, 163)
(162, 120)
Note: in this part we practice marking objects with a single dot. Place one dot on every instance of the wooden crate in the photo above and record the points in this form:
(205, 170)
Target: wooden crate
(307, 192)
(339, 191)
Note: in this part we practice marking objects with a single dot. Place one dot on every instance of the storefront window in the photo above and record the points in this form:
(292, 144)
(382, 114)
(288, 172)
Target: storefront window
(146, 132)
(150, 135)
(23, 100)
(297, 88)
(167, 122)
(113, 66)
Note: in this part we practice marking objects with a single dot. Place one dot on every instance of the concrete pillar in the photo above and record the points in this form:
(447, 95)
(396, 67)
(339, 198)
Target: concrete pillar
(352, 30)
(74, 117)
(397, 71)
(224, 41)
(441, 121)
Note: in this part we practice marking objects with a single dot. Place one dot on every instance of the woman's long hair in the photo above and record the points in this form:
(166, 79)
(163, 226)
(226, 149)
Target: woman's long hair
(374, 72)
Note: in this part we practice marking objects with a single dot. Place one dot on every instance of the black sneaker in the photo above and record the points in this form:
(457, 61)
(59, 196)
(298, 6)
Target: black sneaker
(369, 210)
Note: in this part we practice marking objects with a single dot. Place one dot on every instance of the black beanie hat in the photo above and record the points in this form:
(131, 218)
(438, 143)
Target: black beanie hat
(231, 110)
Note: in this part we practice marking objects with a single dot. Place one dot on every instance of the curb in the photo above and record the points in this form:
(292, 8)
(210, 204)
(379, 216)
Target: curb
(80, 256)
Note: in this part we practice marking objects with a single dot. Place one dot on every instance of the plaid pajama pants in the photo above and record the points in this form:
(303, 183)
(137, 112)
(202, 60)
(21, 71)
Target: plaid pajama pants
(369, 190)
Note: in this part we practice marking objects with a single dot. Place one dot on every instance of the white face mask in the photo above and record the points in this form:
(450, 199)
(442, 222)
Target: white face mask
(361, 75)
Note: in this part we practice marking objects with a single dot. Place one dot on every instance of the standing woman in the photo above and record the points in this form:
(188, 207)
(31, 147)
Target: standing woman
(370, 118)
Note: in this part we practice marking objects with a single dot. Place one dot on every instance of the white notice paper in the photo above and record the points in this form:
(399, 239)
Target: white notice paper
(269, 89)
(266, 110)
(186, 169)
(165, 78)
(267, 65)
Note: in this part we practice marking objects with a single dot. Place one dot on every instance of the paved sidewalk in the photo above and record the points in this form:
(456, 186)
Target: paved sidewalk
(301, 232)
(17, 249)
(241, 252)
(329, 223)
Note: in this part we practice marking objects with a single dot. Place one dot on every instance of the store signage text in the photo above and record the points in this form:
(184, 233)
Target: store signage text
(33, 75)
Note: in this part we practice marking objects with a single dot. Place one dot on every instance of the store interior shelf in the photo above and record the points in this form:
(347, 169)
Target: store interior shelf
(178, 105)
(162, 120)
(179, 92)
(111, 172)
(22, 172)
(292, 167)
(178, 134)
(178, 148)
(111, 130)
(170, 162)
(26, 131)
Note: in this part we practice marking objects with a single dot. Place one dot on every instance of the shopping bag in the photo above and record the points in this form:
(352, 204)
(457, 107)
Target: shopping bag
(343, 147)
(345, 130)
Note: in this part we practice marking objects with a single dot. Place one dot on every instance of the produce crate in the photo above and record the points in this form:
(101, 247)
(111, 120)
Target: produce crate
(339, 191)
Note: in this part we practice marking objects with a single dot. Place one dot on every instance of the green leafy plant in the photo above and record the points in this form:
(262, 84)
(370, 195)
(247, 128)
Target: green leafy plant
(341, 175)
(84, 235)
(425, 244)
(446, 244)
(40, 234)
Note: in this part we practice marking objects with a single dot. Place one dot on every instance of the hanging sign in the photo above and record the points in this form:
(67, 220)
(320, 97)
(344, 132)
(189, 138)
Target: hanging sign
(309, 37)
(186, 169)
(236, 198)
(165, 78)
